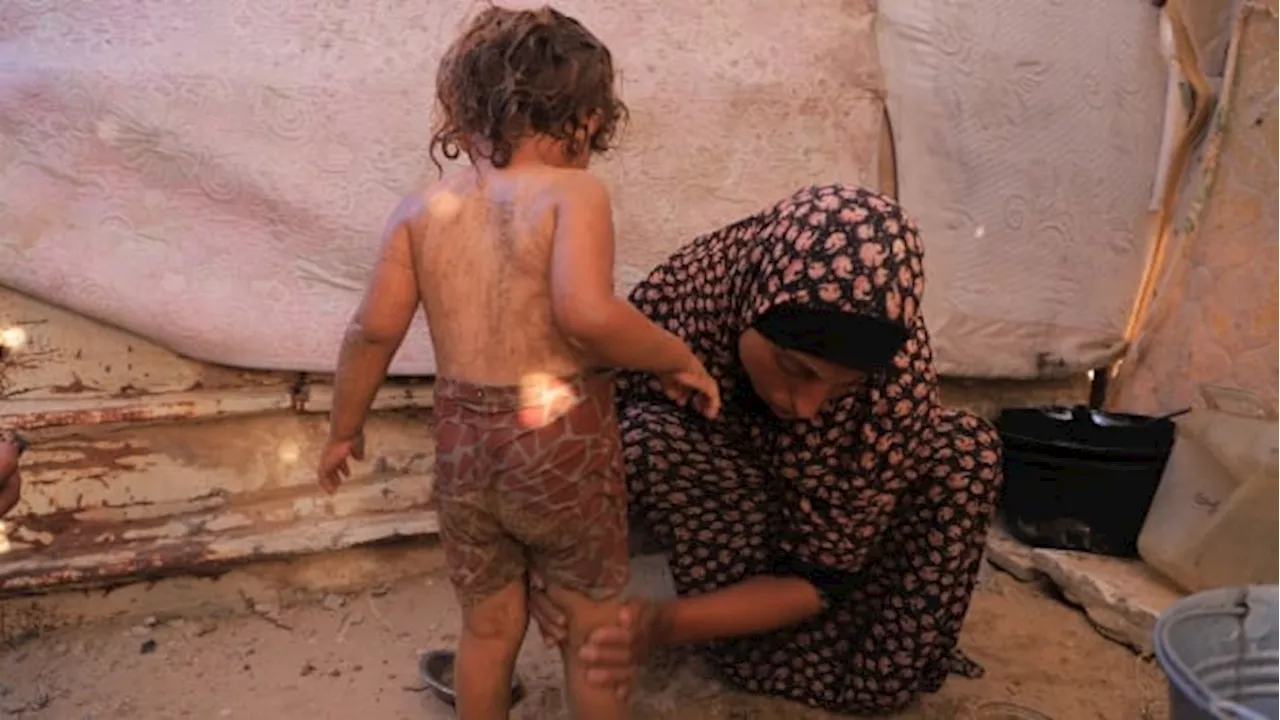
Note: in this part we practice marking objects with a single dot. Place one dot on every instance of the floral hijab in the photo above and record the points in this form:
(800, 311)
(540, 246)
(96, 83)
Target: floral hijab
(828, 248)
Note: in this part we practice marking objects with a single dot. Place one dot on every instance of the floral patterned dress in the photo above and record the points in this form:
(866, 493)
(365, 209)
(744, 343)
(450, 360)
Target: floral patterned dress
(884, 489)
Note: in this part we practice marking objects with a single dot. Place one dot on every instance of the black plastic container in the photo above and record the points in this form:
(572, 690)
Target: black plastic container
(1081, 479)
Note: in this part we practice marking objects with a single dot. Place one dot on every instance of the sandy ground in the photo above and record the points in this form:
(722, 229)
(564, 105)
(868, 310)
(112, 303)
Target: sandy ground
(354, 656)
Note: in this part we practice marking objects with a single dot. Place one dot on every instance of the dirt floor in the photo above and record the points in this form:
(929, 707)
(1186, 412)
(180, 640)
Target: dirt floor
(353, 655)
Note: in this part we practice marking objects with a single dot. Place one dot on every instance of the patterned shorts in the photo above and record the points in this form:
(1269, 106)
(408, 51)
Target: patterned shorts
(531, 476)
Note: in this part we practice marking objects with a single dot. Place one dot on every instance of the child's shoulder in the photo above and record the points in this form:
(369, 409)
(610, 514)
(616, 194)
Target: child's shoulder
(447, 190)
(573, 178)
(548, 188)
(573, 186)
(441, 198)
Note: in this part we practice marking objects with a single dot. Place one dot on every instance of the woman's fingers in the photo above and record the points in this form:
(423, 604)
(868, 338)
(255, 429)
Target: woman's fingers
(612, 652)
(551, 622)
(612, 676)
(609, 647)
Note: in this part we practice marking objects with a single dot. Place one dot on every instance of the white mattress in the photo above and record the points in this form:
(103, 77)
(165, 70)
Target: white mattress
(213, 175)
(1027, 137)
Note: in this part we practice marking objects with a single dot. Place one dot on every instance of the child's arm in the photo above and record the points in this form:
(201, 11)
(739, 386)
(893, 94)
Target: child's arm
(582, 294)
(376, 330)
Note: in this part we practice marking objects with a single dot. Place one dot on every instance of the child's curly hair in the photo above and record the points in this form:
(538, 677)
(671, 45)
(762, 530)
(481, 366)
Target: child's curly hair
(514, 73)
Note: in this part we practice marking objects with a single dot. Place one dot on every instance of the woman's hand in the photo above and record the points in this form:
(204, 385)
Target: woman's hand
(612, 653)
(552, 624)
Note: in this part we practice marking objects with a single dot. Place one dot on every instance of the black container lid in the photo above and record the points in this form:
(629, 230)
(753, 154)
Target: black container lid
(1082, 430)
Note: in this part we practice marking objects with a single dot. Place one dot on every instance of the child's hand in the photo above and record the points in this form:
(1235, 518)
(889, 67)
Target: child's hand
(334, 465)
(696, 384)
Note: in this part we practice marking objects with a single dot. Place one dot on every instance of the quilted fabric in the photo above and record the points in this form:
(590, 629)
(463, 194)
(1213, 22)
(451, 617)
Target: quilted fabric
(1028, 135)
(214, 175)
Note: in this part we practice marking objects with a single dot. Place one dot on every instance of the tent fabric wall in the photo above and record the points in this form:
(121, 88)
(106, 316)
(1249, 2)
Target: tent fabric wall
(1027, 135)
(1214, 314)
(214, 176)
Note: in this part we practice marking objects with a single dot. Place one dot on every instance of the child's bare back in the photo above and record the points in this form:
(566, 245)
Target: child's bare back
(484, 269)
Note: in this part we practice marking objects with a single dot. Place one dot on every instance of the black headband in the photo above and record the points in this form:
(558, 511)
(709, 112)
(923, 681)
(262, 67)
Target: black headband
(857, 342)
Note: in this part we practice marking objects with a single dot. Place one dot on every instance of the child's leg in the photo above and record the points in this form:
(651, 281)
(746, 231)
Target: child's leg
(587, 701)
(492, 631)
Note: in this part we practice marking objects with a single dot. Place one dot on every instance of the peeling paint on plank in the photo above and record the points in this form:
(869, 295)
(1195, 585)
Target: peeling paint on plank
(123, 563)
(391, 396)
(49, 555)
(198, 405)
(45, 413)
(114, 502)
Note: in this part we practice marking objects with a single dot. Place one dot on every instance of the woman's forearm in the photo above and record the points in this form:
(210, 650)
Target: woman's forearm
(751, 607)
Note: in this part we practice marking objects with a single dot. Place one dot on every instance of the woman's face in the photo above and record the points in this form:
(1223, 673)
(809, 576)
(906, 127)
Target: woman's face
(793, 384)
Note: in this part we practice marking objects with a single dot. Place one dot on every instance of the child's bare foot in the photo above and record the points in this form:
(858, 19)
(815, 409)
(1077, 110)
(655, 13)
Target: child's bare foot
(12, 445)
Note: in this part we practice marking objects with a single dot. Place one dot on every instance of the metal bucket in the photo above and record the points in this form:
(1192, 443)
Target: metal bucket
(1220, 651)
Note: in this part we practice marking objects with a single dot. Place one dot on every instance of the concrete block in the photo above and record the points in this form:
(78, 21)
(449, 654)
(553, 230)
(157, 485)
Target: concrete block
(1122, 598)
